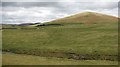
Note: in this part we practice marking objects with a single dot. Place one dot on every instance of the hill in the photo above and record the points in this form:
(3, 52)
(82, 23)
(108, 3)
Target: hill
(87, 17)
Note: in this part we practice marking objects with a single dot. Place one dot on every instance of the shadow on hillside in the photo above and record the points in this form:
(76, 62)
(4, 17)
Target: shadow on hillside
(49, 25)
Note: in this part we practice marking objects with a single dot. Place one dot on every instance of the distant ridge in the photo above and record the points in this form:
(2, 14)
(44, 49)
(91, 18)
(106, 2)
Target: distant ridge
(87, 17)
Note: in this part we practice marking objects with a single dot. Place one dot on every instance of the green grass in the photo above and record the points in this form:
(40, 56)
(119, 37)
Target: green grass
(17, 59)
(0, 59)
(83, 39)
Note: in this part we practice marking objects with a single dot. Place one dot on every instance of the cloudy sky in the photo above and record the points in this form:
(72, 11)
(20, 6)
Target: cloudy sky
(43, 11)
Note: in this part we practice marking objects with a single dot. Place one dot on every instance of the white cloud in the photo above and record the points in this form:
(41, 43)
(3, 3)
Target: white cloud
(42, 13)
(60, 0)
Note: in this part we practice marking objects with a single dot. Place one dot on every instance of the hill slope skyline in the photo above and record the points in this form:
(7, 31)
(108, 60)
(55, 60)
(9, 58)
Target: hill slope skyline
(87, 17)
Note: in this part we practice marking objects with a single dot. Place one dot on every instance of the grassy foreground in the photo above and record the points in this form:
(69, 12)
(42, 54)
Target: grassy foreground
(77, 41)
(20, 59)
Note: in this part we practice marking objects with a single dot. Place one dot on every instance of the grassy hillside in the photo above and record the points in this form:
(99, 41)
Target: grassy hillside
(72, 41)
(87, 17)
(79, 39)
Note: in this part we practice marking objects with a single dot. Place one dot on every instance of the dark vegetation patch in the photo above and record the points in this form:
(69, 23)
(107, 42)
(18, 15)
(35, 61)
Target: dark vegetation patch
(49, 25)
(27, 24)
(9, 28)
(67, 55)
(28, 28)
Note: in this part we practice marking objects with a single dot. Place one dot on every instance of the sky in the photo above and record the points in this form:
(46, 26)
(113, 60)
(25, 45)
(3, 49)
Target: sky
(33, 11)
